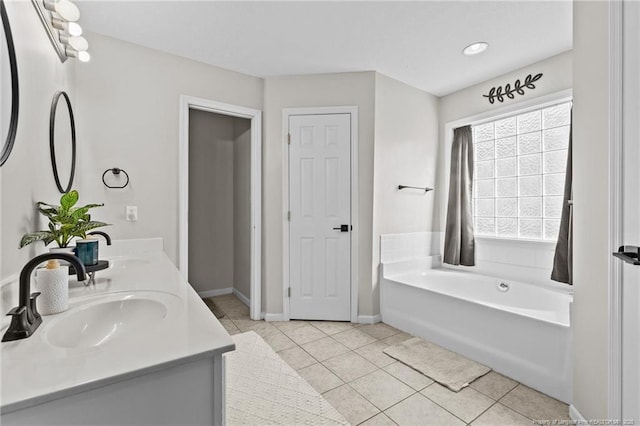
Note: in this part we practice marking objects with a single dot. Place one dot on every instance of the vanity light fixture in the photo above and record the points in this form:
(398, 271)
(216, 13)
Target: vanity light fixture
(475, 48)
(59, 18)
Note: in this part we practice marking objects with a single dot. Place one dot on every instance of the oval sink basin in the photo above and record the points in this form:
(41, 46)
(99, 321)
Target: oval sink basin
(98, 322)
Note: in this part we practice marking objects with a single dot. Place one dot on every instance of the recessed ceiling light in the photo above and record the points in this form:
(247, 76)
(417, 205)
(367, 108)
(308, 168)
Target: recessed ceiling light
(475, 48)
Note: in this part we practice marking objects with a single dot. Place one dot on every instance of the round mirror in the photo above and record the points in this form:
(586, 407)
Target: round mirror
(62, 140)
(9, 85)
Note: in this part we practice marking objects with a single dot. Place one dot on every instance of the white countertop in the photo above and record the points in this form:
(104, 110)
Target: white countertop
(35, 371)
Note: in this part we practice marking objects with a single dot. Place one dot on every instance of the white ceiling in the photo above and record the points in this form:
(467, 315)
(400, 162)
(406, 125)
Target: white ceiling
(419, 43)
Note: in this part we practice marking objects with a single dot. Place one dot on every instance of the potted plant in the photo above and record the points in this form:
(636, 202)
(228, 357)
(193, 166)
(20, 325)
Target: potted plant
(65, 222)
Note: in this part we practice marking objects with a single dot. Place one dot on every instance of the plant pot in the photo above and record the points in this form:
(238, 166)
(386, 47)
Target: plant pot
(68, 250)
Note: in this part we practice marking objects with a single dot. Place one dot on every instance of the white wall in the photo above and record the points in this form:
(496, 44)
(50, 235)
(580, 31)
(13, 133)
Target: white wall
(591, 251)
(242, 205)
(529, 262)
(308, 91)
(127, 117)
(211, 201)
(26, 177)
(406, 152)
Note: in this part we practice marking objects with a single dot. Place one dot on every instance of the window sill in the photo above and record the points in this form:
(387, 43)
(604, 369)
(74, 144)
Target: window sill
(517, 242)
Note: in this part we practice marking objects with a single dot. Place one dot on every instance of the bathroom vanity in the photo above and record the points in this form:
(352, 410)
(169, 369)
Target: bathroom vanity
(137, 347)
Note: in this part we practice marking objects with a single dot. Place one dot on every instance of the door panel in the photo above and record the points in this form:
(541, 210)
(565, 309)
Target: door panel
(319, 201)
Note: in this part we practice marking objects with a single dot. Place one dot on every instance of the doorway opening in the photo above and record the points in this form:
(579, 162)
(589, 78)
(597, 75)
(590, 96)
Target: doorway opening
(220, 200)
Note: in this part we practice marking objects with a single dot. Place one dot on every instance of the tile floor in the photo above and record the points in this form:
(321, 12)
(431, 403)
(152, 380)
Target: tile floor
(345, 363)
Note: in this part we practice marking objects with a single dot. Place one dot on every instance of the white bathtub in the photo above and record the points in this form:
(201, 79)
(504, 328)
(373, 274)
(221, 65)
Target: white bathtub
(523, 332)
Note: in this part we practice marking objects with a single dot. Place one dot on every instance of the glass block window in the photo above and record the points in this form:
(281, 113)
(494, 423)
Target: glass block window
(519, 168)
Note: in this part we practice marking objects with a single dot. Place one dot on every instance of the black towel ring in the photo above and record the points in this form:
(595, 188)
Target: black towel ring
(116, 171)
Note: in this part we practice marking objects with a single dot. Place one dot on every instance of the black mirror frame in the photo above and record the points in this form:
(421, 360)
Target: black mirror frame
(15, 96)
(52, 148)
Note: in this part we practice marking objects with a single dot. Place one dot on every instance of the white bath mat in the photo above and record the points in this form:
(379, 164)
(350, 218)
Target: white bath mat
(261, 389)
(443, 366)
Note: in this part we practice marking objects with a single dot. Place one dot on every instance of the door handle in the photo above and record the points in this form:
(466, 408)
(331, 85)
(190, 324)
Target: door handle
(342, 228)
(628, 254)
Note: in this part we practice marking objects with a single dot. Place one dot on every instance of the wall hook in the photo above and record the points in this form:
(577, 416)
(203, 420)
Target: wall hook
(116, 171)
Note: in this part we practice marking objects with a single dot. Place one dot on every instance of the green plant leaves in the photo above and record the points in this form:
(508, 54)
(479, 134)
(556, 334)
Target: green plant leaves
(69, 199)
(65, 221)
(45, 236)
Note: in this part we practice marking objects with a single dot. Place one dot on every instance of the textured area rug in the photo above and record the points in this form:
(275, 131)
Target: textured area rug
(261, 389)
(443, 366)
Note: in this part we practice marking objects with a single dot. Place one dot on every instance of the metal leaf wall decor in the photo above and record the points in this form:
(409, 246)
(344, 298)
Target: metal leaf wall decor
(499, 93)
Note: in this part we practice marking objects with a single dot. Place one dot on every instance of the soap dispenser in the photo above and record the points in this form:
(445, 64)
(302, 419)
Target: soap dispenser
(53, 282)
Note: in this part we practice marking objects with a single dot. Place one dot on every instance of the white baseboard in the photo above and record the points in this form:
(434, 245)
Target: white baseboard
(244, 299)
(212, 293)
(369, 319)
(273, 317)
(576, 416)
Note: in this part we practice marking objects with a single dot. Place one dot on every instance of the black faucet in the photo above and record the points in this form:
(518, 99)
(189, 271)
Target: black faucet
(25, 318)
(104, 234)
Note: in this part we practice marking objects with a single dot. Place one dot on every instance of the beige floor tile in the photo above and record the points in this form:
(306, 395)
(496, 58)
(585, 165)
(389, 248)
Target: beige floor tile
(353, 406)
(379, 331)
(379, 420)
(381, 389)
(420, 411)
(241, 312)
(499, 415)
(397, 338)
(319, 376)
(331, 327)
(297, 358)
(349, 366)
(373, 352)
(535, 405)
(323, 349)
(288, 325)
(228, 324)
(494, 385)
(304, 334)
(354, 338)
(279, 342)
(260, 327)
(408, 375)
(466, 404)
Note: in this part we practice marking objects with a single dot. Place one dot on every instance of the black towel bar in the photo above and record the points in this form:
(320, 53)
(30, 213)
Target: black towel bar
(401, 187)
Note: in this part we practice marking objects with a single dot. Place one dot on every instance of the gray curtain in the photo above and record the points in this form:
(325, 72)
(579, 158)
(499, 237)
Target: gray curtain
(458, 239)
(563, 259)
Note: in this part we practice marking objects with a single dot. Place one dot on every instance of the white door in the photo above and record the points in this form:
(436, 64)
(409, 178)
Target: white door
(631, 212)
(320, 217)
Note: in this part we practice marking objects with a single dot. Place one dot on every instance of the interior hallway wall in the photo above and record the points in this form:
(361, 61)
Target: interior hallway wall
(211, 201)
(242, 206)
(127, 113)
(27, 176)
(406, 152)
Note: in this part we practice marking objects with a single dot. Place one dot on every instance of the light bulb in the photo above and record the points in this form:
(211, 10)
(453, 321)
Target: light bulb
(76, 42)
(64, 8)
(84, 56)
(72, 28)
(475, 48)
